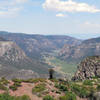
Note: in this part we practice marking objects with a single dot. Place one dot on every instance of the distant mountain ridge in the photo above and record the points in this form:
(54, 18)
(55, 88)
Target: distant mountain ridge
(21, 54)
(35, 45)
(90, 47)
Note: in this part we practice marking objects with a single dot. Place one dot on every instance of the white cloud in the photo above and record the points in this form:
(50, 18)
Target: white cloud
(11, 7)
(69, 6)
(10, 12)
(91, 25)
(60, 15)
(21, 1)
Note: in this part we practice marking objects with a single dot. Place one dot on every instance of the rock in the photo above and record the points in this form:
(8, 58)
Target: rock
(96, 96)
(88, 68)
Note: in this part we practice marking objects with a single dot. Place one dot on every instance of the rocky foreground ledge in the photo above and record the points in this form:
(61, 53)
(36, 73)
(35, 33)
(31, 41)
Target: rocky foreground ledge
(88, 68)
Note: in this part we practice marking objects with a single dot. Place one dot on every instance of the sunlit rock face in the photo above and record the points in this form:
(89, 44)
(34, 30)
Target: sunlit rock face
(88, 68)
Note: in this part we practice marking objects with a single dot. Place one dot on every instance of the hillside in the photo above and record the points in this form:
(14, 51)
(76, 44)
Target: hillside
(90, 47)
(15, 63)
(35, 46)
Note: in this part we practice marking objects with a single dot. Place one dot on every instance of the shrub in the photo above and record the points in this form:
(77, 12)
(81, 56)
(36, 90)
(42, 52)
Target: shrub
(13, 87)
(2, 87)
(34, 80)
(17, 84)
(38, 88)
(54, 80)
(68, 96)
(6, 96)
(48, 98)
(58, 92)
(80, 91)
(92, 90)
(88, 82)
(4, 81)
(61, 87)
(98, 88)
(24, 97)
(17, 80)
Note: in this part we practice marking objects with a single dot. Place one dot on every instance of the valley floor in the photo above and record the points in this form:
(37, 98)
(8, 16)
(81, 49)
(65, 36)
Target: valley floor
(62, 67)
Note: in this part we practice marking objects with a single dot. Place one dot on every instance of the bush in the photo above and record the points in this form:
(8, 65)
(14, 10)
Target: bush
(2, 87)
(38, 88)
(58, 92)
(61, 87)
(48, 98)
(54, 80)
(68, 96)
(88, 82)
(4, 81)
(17, 80)
(17, 84)
(34, 80)
(13, 88)
(6, 96)
(80, 91)
(24, 97)
(98, 88)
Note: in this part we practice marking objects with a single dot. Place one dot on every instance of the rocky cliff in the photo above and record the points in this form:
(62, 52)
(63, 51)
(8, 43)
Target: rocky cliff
(10, 51)
(15, 63)
(77, 53)
(88, 68)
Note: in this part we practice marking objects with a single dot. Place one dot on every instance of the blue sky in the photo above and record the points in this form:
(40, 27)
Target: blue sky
(78, 18)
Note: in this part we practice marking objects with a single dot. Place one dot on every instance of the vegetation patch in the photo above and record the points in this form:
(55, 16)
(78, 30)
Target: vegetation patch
(61, 87)
(88, 82)
(17, 83)
(80, 91)
(68, 96)
(39, 88)
(48, 97)
(6, 96)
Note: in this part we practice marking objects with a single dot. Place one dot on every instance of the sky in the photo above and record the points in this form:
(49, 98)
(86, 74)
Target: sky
(78, 18)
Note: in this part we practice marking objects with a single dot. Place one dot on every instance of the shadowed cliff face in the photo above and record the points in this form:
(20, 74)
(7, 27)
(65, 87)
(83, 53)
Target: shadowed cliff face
(88, 68)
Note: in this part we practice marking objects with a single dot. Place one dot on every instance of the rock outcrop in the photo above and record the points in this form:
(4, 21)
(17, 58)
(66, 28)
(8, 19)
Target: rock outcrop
(10, 51)
(88, 68)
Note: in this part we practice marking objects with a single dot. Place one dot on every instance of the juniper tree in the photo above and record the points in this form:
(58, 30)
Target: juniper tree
(51, 73)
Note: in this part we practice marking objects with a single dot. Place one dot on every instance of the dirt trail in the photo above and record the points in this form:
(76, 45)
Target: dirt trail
(25, 89)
